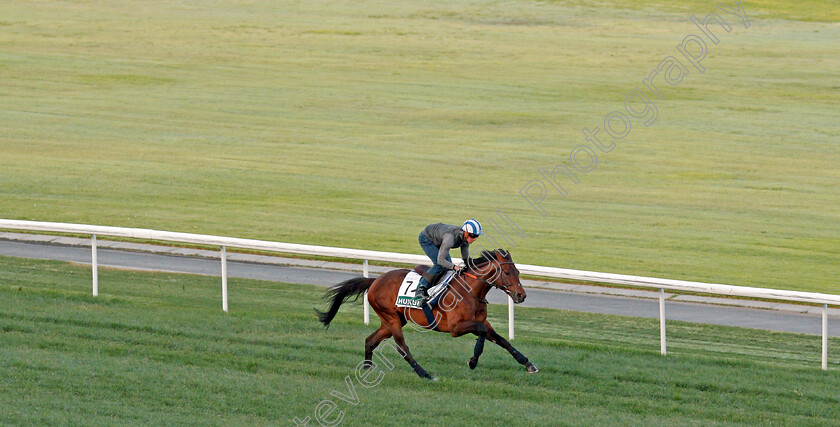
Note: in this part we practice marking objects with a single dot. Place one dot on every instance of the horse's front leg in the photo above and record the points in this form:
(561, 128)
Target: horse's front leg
(479, 348)
(505, 344)
(478, 328)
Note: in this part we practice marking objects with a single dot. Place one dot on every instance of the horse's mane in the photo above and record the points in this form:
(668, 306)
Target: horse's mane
(489, 256)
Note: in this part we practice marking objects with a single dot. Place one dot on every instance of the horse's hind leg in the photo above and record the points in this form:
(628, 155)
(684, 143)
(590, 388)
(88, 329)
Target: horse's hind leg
(373, 340)
(396, 330)
(505, 344)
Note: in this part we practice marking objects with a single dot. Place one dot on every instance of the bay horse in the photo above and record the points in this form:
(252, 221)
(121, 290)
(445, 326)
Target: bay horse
(462, 309)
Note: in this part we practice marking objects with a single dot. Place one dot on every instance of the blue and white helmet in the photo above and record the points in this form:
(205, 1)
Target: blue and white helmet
(472, 226)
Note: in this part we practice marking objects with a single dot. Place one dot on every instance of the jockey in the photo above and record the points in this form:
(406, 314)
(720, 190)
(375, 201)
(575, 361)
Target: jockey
(436, 241)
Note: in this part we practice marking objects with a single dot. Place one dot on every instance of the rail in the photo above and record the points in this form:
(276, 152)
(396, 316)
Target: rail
(366, 255)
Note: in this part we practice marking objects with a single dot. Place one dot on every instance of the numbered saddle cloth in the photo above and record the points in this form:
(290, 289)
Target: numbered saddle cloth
(405, 297)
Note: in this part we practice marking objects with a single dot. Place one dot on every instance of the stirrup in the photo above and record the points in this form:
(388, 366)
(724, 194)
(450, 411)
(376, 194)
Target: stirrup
(421, 293)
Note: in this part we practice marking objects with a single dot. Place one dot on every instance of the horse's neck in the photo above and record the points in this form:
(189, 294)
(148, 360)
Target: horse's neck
(480, 288)
(483, 291)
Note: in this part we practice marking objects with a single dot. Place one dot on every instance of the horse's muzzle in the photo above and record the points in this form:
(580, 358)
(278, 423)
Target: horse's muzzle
(518, 297)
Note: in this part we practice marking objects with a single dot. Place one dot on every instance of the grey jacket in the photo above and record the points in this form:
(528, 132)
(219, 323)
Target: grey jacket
(446, 237)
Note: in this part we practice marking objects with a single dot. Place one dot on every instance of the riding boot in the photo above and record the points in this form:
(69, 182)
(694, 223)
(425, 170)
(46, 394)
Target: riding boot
(426, 281)
(430, 279)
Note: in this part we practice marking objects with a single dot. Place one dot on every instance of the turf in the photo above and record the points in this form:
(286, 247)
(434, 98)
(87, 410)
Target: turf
(156, 349)
(355, 124)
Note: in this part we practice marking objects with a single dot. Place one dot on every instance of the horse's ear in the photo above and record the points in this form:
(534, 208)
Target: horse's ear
(505, 254)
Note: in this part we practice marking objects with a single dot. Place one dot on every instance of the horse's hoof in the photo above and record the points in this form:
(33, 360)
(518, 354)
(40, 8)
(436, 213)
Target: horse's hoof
(472, 363)
(431, 378)
(531, 368)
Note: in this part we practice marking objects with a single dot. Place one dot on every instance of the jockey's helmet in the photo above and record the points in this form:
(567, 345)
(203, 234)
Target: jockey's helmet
(472, 226)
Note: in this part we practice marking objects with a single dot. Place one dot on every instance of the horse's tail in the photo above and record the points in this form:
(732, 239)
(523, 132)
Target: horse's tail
(340, 293)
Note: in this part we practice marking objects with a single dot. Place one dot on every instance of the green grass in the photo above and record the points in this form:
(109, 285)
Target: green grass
(355, 124)
(155, 349)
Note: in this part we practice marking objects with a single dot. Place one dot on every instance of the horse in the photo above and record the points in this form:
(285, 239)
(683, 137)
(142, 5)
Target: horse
(462, 309)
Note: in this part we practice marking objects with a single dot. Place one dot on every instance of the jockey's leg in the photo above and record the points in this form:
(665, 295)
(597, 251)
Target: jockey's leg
(431, 251)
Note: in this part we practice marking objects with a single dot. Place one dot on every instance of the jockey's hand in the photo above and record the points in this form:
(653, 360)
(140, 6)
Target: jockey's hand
(456, 267)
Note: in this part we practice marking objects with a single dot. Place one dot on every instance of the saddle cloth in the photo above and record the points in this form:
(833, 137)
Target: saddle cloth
(405, 297)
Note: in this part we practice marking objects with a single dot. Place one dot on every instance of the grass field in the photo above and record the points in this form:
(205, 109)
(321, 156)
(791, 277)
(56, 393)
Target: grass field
(155, 349)
(357, 123)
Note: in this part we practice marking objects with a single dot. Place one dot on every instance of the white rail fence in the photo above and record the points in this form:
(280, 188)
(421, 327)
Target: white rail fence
(366, 255)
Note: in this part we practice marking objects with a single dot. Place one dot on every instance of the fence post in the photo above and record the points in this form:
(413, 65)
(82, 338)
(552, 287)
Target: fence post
(224, 280)
(366, 273)
(510, 318)
(94, 262)
(662, 344)
(825, 337)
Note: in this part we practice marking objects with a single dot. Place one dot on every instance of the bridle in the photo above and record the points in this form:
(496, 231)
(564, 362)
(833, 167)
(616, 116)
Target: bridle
(503, 288)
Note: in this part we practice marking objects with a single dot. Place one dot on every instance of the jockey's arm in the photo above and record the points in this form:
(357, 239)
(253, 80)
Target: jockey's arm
(445, 246)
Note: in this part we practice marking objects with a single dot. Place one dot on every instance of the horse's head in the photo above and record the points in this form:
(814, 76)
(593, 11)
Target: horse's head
(497, 268)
